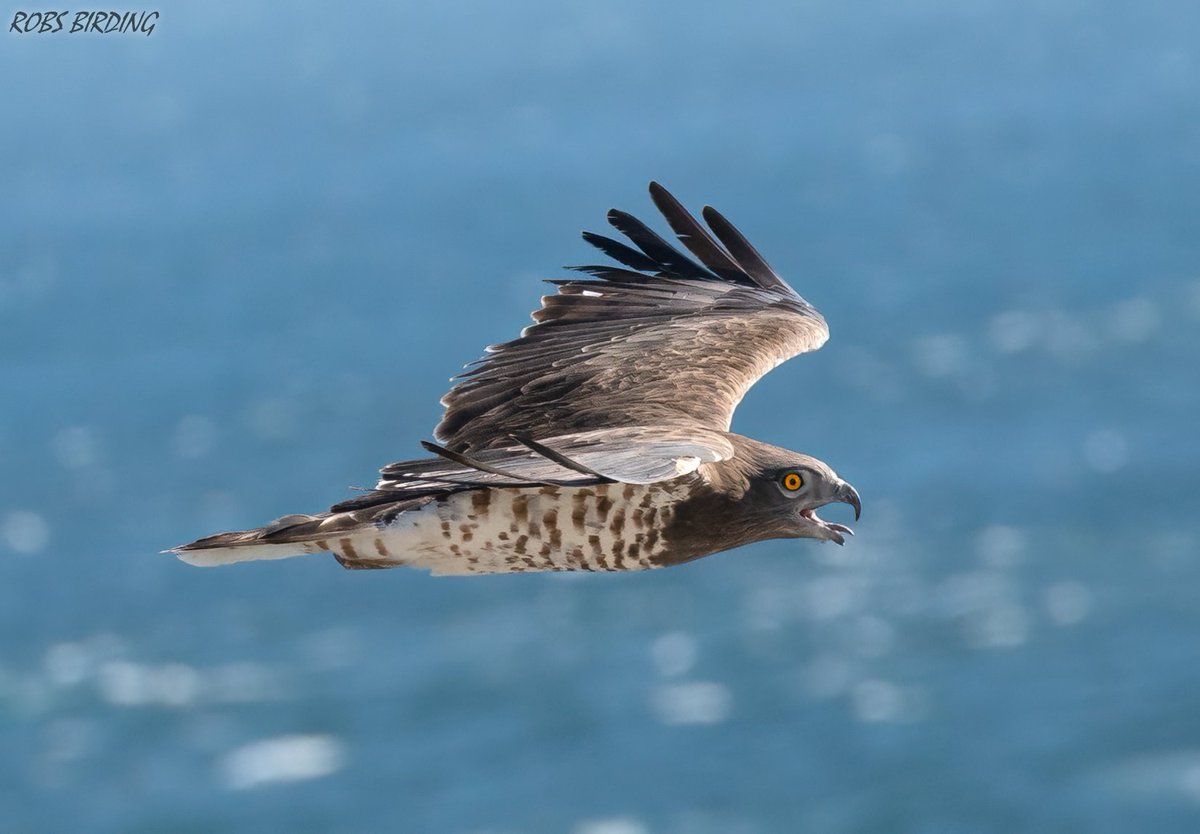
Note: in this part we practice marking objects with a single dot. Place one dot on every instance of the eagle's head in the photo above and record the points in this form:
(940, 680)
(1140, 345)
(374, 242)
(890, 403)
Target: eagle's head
(787, 489)
(766, 492)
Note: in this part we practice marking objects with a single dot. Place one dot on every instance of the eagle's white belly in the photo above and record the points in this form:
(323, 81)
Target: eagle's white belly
(604, 527)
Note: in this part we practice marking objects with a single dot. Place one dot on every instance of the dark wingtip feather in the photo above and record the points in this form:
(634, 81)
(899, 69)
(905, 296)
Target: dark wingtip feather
(746, 255)
(666, 257)
(741, 264)
(620, 252)
(696, 238)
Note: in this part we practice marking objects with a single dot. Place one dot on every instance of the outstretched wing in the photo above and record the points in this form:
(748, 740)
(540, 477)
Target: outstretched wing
(659, 341)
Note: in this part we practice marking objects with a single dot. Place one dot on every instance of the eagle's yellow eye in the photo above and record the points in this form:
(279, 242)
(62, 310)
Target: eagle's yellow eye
(792, 481)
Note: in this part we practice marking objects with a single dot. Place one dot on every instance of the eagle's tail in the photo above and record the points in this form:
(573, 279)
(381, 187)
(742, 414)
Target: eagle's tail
(292, 535)
(295, 535)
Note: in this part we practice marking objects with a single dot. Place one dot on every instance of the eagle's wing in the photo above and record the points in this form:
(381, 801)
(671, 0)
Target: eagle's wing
(660, 341)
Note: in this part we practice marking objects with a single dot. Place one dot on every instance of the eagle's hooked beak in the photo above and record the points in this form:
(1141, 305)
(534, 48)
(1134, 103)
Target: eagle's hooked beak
(847, 494)
(831, 530)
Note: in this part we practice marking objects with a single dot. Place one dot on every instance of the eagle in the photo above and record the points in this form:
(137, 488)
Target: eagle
(599, 439)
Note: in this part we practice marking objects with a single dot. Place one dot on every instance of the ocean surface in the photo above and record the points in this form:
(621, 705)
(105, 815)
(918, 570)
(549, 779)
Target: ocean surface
(240, 257)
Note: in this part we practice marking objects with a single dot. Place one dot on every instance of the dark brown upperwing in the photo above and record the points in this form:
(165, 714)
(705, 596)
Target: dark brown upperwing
(660, 340)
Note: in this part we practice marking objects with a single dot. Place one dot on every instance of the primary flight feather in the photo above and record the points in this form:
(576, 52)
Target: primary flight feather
(599, 439)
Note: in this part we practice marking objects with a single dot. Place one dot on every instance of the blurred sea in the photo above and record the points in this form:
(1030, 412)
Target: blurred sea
(240, 257)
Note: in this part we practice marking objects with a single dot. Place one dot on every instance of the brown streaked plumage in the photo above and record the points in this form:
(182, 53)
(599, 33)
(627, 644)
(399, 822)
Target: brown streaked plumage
(599, 439)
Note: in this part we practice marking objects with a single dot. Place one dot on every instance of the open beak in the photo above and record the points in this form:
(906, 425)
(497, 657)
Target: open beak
(831, 530)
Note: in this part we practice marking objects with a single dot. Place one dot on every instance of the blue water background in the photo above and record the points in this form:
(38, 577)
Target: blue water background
(239, 259)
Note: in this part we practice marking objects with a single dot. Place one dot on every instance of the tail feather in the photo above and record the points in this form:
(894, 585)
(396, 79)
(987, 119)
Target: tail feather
(213, 557)
(292, 535)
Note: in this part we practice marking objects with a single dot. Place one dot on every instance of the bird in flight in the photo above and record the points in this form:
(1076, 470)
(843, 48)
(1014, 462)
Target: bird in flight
(599, 439)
